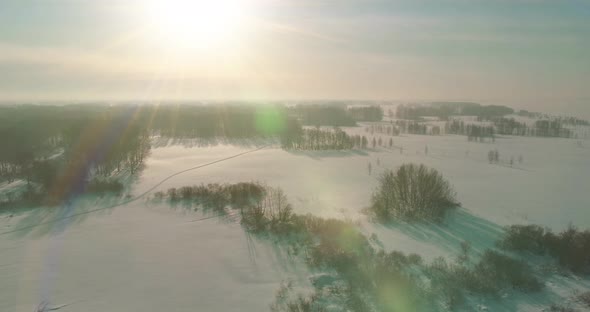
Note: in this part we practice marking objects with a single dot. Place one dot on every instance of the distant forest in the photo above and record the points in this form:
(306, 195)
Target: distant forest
(443, 110)
(509, 126)
(335, 115)
(64, 150)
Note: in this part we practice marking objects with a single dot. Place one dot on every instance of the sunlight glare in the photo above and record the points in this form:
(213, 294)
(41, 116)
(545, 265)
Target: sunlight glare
(197, 23)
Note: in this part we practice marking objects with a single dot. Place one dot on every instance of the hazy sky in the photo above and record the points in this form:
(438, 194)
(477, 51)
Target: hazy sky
(521, 51)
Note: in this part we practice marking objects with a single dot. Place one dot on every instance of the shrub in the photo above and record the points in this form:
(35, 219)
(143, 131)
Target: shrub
(493, 272)
(560, 308)
(584, 298)
(571, 247)
(524, 238)
(413, 192)
(271, 212)
(496, 270)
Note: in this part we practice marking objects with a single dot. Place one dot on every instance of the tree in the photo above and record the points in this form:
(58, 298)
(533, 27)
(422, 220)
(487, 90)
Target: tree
(491, 156)
(413, 192)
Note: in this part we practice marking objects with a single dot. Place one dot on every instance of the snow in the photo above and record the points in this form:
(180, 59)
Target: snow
(144, 256)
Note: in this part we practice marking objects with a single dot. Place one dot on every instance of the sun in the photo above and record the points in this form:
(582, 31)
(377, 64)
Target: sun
(197, 23)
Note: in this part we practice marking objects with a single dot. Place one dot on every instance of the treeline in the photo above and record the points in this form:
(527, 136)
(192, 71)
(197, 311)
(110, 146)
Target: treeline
(320, 139)
(473, 132)
(540, 128)
(334, 115)
(508, 126)
(366, 113)
(566, 120)
(215, 121)
(383, 129)
(443, 110)
(414, 127)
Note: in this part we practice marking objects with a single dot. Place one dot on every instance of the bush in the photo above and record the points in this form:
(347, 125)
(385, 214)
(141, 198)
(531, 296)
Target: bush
(413, 192)
(271, 213)
(496, 270)
(584, 298)
(524, 238)
(560, 308)
(571, 247)
(217, 196)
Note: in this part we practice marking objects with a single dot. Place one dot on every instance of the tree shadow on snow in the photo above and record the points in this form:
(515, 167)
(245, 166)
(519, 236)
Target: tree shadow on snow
(459, 226)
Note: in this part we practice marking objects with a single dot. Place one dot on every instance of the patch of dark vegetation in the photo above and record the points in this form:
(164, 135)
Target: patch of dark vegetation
(493, 272)
(570, 247)
(262, 209)
(584, 298)
(364, 279)
(560, 308)
(553, 127)
(415, 127)
(319, 139)
(245, 193)
(413, 192)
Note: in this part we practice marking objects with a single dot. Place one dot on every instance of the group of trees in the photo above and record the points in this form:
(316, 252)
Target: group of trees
(540, 128)
(413, 192)
(570, 247)
(382, 129)
(443, 110)
(477, 133)
(260, 207)
(414, 127)
(320, 139)
(493, 156)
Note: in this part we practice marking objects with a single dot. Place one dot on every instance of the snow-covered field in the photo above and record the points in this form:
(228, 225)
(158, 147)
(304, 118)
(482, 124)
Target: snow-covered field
(149, 257)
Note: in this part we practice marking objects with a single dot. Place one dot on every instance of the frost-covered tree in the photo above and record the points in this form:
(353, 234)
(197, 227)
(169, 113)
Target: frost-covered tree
(413, 192)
